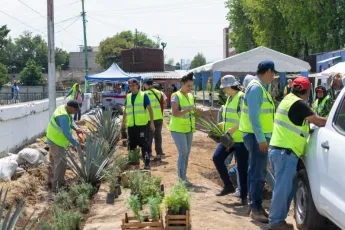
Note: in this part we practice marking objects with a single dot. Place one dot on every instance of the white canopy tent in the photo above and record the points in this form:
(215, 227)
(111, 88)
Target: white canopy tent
(247, 62)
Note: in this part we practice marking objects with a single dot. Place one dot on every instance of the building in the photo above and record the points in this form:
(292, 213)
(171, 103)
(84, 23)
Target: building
(142, 60)
(77, 60)
(322, 61)
(228, 49)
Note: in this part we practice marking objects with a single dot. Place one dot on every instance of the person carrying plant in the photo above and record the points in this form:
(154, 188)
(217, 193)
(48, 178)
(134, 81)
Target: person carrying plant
(59, 135)
(137, 120)
(182, 124)
(231, 117)
(290, 134)
(76, 94)
(256, 123)
(157, 103)
(323, 103)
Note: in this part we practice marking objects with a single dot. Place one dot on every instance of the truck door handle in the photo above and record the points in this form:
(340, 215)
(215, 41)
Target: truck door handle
(325, 145)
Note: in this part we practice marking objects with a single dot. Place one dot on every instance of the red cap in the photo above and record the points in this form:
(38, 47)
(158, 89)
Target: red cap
(302, 82)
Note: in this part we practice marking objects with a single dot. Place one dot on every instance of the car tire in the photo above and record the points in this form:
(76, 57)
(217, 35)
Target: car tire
(306, 215)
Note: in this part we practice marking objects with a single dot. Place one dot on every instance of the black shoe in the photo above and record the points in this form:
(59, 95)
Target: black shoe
(147, 167)
(157, 158)
(226, 191)
(163, 154)
(242, 202)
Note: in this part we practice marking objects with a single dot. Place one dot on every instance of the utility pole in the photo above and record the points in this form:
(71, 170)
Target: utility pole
(51, 58)
(136, 38)
(85, 44)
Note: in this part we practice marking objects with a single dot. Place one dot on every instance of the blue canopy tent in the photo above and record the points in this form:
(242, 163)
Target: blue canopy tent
(113, 74)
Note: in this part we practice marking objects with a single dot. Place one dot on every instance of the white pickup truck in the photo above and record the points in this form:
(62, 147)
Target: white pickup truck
(321, 174)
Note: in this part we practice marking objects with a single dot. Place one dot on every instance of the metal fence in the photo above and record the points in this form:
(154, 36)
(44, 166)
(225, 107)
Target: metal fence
(10, 98)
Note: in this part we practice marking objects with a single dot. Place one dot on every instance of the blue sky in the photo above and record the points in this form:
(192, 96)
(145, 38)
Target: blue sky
(188, 26)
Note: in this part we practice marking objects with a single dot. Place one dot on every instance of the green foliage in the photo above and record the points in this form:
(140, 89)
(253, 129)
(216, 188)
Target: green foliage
(134, 204)
(62, 59)
(31, 74)
(81, 189)
(145, 185)
(178, 198)
(133, 155)
(63, 200)
(4, 77)
(199, 60)
(154, 203)
(115, 170)
(8, 222)
(93, 162)
(82, 203)
(65, 220)
(110, 49)
(3, 42)
(210, 125)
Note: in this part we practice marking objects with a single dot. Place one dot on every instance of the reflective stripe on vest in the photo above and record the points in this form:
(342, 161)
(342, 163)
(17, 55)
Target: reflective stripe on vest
(231, 117)
(155, 104)
(136, 113)
(54, 132)
(319, 107)
(185, 123)
(285, 133)
(267, 110)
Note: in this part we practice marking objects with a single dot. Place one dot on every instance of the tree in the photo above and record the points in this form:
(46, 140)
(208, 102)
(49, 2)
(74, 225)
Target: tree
(61, 59)
(170, 61)
(3, 42)
(4, 77)
(31, 74)
(110, 49)
(178, 65)
(199, 60)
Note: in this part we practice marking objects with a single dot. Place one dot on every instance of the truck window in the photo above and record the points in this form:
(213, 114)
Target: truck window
(339, 121)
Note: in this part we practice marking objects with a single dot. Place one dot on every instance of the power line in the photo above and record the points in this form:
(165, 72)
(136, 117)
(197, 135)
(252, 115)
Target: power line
(69, 25)
(20, 21)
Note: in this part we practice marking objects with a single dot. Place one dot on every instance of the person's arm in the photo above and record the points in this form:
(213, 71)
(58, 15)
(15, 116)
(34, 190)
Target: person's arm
(254, 100)
(164, 99)
(285, 91)
(62, 121)
(82, 96)
(69, 93)
(317, 120)
(176, 112)
(147, 105)
(124, 116)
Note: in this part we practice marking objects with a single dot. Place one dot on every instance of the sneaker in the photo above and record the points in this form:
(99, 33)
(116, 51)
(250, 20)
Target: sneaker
(147, 167)
(263, 211)
(241, 202)
(259, 216)
(226, 191)
(282, 226)
(157, 158)
(188, 183)
(237, 193)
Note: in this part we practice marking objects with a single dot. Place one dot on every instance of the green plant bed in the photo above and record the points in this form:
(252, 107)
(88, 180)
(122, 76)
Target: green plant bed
(134, 157)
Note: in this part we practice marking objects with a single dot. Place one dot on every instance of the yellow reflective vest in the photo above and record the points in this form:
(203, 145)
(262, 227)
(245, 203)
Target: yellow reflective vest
(231, 117)
(136, 113)
(155, 103)
(185, 123)
(318, 107)
(267, 110)
(285, 133)
(54, 132)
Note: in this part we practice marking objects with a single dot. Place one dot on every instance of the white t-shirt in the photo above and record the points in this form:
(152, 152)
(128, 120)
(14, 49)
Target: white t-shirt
(164, 96)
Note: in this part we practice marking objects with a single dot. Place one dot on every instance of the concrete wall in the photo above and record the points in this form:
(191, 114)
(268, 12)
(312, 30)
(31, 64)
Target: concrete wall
(77, 61)
(22, 123)
(25, 89)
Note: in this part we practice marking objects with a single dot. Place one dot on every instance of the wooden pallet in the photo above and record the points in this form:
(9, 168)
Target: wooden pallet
(177, 222)
(132, 223)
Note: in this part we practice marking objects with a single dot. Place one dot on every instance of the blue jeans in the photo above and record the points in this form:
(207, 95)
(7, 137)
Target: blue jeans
(284, 166)
(257, 171)
(183, 142)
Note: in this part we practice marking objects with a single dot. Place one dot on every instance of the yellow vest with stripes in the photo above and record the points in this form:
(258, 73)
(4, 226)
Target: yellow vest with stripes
(285, 133)
(155, 104)
(231, 117)
(54, 132)
(267, 110)
(185, 123)
(136, 113)
(319, 107)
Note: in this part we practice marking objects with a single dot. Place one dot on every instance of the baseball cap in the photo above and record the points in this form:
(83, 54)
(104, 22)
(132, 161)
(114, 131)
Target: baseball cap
(301, 83)
(228, 81)
(73, 104)
(265, 65)
(148, 80)
(133, 81)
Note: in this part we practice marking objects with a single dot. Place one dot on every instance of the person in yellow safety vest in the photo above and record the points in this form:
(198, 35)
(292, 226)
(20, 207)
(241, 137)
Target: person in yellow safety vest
(157, 102)
(59, 135)
(76, 94)
(182, 124)
(231, 121)
(256, 123)
(137, 120)
(290, 134)
(323, 103)
(287, 88)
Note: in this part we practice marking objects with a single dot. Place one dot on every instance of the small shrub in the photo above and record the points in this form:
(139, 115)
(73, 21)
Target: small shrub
(178, 198)
(63, 200)
(154, 203)
(81, 189)
(134, 204)
(65, 220)
(82, 203)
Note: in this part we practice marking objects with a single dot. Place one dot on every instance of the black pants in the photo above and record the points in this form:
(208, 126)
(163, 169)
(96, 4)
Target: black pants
(78, 113)
(157, 135)
(138, 136)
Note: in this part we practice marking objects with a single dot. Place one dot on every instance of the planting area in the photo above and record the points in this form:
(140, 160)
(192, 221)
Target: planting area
(86, 205)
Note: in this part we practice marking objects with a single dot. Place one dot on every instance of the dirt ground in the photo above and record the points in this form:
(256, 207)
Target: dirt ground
(208, 211)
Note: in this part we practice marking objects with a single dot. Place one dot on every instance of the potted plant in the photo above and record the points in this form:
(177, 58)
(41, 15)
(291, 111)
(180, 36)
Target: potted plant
(112, 192)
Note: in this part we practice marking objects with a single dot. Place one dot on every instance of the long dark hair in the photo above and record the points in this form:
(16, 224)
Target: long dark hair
(188, 77)
(238, 88)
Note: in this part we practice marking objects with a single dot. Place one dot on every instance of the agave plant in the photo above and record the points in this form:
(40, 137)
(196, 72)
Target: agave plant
(211, 125)
(93, 163)
(10, 220)
(106, 126)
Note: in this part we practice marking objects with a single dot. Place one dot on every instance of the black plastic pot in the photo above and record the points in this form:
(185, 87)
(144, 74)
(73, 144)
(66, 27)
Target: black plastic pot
(214, 138)
(227, 140)
(110, 198)
(162, 189)
(183, 211)
(118, 190)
